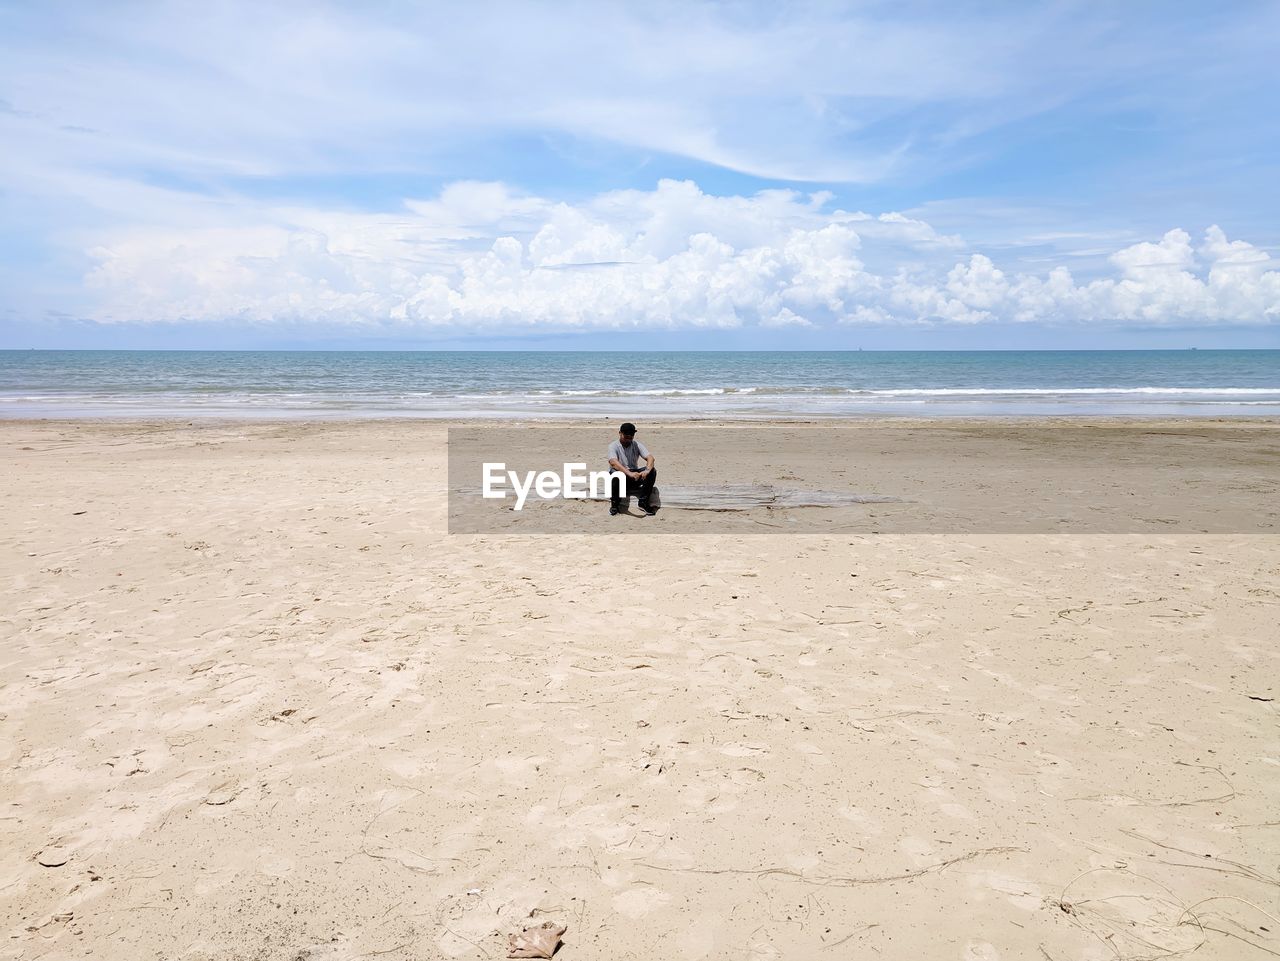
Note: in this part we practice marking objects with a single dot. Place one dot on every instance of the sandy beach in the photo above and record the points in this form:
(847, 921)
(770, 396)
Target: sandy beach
(257, 703)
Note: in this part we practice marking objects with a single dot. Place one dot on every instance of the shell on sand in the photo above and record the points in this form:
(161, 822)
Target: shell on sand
(53, 857)
(536, 942)
(224, 793)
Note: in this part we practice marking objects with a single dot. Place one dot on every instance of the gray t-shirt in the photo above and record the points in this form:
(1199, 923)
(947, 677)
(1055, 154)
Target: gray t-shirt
(632, 458)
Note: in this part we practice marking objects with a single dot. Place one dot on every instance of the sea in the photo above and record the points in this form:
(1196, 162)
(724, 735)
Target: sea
(637, 385)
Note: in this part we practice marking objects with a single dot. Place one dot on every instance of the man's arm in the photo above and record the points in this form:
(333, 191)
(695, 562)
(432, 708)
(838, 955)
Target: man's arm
(648, 459)
(613, 462)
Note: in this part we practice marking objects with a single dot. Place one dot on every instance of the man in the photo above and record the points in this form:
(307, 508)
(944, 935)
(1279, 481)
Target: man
(632, 459)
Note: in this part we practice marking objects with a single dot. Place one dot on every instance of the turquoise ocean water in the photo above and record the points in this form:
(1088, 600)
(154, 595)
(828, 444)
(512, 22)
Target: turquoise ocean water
(329, 384)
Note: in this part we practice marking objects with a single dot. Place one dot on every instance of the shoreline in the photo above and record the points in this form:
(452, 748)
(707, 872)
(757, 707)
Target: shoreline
(639, 410)
(877, 420)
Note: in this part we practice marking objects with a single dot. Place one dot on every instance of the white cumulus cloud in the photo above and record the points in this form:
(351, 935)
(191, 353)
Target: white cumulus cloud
(484, 257)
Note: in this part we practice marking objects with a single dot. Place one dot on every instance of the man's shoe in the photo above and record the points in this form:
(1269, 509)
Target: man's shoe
(648, 511)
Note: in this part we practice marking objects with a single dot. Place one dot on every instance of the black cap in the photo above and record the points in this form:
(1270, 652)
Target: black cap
(627, 428)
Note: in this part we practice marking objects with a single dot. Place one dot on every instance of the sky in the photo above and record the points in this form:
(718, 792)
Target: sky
(647, 175)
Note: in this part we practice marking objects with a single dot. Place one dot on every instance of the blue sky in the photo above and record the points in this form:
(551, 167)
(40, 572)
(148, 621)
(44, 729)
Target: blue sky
(704, 175)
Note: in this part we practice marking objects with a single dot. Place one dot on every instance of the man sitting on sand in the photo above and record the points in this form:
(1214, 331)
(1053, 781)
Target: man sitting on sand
(625, 455)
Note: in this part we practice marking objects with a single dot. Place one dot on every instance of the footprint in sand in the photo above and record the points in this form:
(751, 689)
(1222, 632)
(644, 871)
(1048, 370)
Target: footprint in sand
(639, 901)
(276, 867)
(743, 750)
(519, 770)
(980, 951)
(866, 823)
(1019, 892)
(920, 851)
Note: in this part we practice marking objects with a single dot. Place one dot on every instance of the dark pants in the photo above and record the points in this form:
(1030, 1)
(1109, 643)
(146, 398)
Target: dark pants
(640, 489)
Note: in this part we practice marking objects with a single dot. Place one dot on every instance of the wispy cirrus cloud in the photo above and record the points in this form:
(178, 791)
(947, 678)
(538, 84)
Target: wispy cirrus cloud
(810, 92)
(785, 93)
